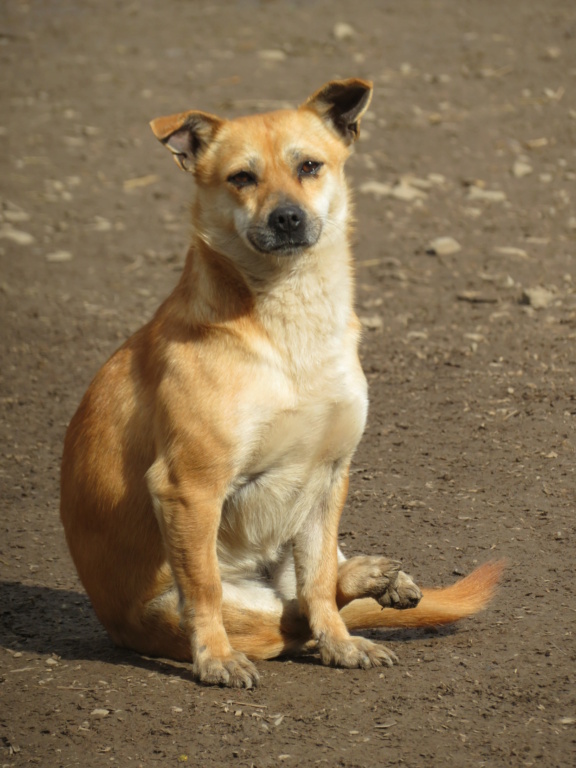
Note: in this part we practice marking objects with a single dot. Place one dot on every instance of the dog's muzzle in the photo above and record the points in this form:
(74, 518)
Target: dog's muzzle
(288, 229)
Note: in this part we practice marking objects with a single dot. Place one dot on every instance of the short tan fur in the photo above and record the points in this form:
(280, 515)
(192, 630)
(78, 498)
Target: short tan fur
(205, 471)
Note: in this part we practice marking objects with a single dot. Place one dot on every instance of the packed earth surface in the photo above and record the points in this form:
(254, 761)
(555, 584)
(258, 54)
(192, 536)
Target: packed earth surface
(464, 182)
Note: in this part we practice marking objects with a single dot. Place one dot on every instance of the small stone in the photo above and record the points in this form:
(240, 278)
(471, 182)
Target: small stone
(472, 213)
(73, 141)
(343, 31)
(443, 246)
(13, 213)
(101, 224)
(538, 297)
(139, 181)
(406, 192)
(372, 323)
(16, 236)
(272, 54)
(437, 178)
(477, 338)
(414, 181)
(572, 223)
(521, 169)
(552, 53)
(545, 178)
(100, 713)
(486, 195)
(57, 257)
(51, 662)
(376, 188)
(536, 143)
(510, 250)
(553, 95)
(538, 240)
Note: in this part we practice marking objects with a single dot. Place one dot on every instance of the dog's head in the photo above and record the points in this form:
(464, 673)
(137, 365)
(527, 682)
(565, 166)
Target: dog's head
(271, 184)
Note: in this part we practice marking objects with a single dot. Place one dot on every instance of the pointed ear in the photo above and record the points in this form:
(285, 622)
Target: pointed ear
(342, 103)
(186, 135)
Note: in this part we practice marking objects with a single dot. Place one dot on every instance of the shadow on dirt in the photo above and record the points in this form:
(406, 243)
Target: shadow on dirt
(58, 621)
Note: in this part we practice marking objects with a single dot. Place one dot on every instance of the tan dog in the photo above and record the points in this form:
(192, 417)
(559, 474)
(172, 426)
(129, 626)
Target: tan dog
(206, 468)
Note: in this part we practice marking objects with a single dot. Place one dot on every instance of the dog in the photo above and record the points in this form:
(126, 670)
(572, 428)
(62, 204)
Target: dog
(205, 471)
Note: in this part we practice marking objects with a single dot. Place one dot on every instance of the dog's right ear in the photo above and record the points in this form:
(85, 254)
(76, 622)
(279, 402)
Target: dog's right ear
(186, 135)
(342, 103)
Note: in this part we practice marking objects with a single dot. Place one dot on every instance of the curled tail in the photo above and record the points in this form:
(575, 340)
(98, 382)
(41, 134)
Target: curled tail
(437, 606)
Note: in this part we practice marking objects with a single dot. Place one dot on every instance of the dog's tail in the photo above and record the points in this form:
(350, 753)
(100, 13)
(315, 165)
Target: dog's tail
(265, 636)
(437, 606)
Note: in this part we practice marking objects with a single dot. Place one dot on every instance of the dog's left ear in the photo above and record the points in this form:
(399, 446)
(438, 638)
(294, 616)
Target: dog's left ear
(342, 103)
(186, 135)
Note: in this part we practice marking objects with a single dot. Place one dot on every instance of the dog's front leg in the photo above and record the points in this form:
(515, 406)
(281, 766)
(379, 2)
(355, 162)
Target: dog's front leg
(189, 518)
(316, 560)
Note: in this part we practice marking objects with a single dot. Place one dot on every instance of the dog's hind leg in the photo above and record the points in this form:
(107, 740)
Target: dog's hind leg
(258, 623)
(377, 577)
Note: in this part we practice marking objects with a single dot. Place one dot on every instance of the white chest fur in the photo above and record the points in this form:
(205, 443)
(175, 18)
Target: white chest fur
(306, 416)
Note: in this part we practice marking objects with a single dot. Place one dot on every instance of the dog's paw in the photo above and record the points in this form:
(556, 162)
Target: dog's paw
(354, 653)
(400, 593)
(234, 671)
(380, 578)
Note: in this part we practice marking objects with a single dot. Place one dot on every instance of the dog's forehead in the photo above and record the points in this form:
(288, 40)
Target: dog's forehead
(282, 134)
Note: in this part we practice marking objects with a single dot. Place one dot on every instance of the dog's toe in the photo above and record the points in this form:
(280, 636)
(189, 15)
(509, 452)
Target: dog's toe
(355, 653)
(401, 593)
(235, 671)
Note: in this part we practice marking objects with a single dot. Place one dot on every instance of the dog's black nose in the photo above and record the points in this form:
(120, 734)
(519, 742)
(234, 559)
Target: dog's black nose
(287, 220)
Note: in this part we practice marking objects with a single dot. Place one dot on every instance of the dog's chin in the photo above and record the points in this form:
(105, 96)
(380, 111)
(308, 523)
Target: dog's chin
(284, 249)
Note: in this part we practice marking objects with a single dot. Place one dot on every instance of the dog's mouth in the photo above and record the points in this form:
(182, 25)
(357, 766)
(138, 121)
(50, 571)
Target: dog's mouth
(287, 232)
(289, 248)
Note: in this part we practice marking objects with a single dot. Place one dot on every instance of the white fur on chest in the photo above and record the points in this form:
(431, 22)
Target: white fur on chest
(299, 428)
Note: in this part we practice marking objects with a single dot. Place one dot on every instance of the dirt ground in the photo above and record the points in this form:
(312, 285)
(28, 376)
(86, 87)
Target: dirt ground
(469, 350)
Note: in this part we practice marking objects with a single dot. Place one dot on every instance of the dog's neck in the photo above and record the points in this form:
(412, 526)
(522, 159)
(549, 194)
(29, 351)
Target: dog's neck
(303, 303)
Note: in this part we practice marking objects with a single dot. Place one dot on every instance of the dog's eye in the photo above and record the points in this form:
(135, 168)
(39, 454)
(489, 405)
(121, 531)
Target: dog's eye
(309, 168)
(242, 179)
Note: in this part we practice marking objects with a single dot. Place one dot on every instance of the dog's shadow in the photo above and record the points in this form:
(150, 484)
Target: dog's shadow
(46, 620)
